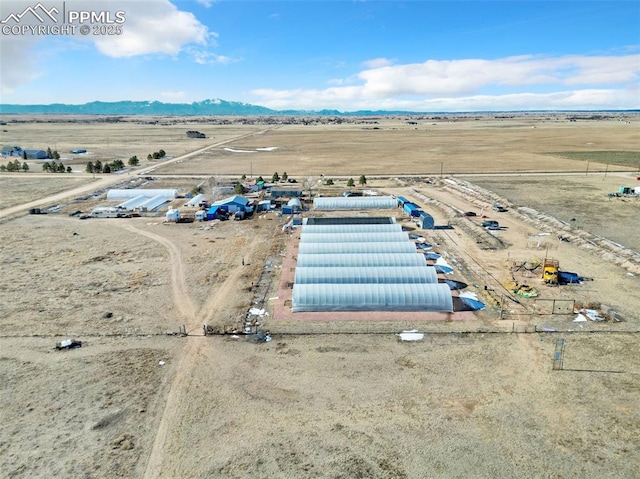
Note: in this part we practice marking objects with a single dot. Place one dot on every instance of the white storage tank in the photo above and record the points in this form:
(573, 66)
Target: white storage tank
(173, 215)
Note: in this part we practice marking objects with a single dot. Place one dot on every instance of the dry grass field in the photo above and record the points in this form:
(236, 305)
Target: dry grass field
(476, 398)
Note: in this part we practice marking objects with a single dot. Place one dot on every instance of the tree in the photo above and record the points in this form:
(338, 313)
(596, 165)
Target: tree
(16, 165)
(133, 161)
(351, 183)
(243, 177)
(362, 180)
(275, 178)
(285, 176)
(97, 166)
(156, 155)
(69, 169)
(10, 166)
(25, 167)
(328, 182)
(89, 168)
(45, 166)
(56, 155)
(161, 154)
(61, 168)
(106, 168)
(260, 179)
(3, 167)
(238, 189)
(149, 157)
(24, 154)
(49, 153)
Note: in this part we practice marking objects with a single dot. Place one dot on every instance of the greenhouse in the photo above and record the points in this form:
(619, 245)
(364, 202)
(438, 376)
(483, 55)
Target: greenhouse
(369, 247)
(366, 275)
(349, 220)
(118, 194)
(352, 237)
(353, 228)
(362, 259)
(372, 297)
(354, 202)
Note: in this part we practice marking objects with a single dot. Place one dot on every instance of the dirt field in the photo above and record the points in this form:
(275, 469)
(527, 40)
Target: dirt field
(476, 398)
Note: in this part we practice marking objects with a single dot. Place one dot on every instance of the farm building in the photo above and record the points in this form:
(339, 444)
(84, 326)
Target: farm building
(285, 192)
(354, 202)
(426, 221)
(368, 265)
(117, 194)
(195, 201)
(411, 209)
(19, 152)
(234, 204)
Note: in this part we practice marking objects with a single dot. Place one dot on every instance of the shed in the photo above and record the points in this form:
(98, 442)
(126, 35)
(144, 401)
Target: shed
(426, 221)
(411, 209)
(212, 213)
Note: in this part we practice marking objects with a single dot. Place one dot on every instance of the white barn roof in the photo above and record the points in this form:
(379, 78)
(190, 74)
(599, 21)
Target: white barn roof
(117, 194)
(353, 228)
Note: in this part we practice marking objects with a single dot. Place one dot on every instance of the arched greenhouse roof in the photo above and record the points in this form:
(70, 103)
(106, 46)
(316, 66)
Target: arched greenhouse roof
(354, 202)
(117, 194)
(372, 297)
(361, 259)
(353, 247)
(349, 228)
(366, 275)
(353, 237)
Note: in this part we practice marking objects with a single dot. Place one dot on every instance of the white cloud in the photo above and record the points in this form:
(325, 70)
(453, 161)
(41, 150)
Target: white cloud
(205, 3)
(152, 27)
(20, 64)
(521, 82)
(377, 63)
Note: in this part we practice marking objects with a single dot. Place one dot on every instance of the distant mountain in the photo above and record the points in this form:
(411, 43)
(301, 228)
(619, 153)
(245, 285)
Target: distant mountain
(206, 107)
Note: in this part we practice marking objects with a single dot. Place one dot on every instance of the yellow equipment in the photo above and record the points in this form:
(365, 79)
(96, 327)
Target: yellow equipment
(550, 271)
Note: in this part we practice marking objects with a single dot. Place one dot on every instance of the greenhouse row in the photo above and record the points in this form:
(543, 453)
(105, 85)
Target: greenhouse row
(364, 267)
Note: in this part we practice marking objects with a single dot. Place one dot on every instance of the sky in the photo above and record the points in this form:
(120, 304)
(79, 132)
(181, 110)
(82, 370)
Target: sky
(332, 54)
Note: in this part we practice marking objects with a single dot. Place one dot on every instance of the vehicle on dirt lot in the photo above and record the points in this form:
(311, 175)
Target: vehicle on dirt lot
(499, 208)
(469, 213)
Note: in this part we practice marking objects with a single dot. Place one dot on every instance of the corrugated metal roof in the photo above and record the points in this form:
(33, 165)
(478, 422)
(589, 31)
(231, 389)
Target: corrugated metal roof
(362, 259)
(353, 228)
(353, 237)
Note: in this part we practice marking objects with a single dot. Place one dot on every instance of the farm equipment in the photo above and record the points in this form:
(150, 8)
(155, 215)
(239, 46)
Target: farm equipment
(550, 271)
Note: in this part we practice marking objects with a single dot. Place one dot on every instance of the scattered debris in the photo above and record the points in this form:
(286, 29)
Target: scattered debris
(411, 335)
(68, 344)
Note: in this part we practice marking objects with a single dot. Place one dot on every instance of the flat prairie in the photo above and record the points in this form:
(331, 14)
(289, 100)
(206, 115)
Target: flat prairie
(149, 395)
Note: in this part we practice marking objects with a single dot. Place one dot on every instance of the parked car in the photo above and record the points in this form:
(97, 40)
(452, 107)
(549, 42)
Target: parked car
(490, 224)
(469, 213)
(499, 208)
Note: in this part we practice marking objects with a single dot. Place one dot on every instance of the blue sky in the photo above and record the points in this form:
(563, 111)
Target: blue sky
(345, 55)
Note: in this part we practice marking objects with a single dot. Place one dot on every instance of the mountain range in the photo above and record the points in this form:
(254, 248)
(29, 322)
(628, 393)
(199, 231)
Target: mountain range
(206, 107)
